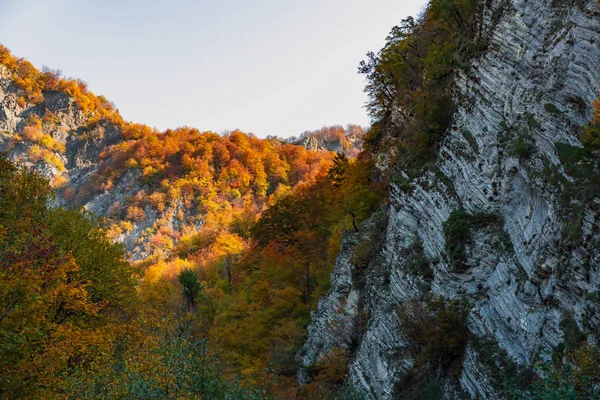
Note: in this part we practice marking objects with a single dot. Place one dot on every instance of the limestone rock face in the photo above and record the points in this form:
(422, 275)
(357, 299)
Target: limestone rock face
(79, 161)
(336, 138)
(538, 78)
(330, 144)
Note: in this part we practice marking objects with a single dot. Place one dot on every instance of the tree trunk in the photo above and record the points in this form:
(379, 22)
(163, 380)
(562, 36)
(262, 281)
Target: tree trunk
(353, 221)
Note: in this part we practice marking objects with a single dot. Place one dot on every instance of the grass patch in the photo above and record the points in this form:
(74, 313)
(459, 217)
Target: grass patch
(551, 108)
(531, 121)
(469, 136)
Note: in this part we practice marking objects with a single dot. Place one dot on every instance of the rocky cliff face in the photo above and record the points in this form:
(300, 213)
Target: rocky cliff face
(347, 144)
(337, 139)
(77, 161)
(522, 107)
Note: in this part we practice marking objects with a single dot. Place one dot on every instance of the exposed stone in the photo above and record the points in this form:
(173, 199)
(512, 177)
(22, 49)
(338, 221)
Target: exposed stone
(540, 53)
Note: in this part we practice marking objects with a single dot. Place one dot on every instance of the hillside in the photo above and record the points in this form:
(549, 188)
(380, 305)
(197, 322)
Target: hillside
(155, 186)
(185, 201)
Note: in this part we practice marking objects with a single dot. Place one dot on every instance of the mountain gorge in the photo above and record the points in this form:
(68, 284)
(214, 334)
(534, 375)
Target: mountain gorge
(449, 252)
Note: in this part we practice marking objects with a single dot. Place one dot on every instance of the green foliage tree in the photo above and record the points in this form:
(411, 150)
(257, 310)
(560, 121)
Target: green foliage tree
(338, 169)
(191, 287)
(64, 287)
(575, 378)
(413, 74)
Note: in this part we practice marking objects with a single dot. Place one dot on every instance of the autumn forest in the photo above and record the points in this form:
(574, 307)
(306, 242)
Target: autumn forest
(214, 299)
(138, 263)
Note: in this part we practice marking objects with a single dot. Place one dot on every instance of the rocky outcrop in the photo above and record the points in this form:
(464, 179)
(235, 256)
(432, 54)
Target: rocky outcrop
(337, 139)
(78, 161)
(335, 145)
(533, 85)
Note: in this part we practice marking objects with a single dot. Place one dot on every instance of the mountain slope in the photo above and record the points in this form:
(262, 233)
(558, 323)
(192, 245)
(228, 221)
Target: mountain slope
(154, 186)
(504, 218)
(253, 224)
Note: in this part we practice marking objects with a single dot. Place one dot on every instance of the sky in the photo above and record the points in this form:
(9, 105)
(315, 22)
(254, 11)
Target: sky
(270, 67)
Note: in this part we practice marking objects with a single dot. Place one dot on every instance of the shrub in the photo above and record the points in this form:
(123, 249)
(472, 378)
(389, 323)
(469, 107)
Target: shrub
(135, 214)
(531, 121)
(327, 376)
(52, 160)
(363, 253)
(572, 335)
(35, 154)
(582, 165)
(591, 132)
(503, 372)
(591, 137)
(472, 142)
(59, 181)
(458, 233)
(523, 147)
(457, 230)
(46, 141)
(551, 108)
(68, 193)
(21, 102)
(131, 163)
(417, 264)
(32, 133)
(578, 378)
(126, 226)
(436, 332)
(51, 118)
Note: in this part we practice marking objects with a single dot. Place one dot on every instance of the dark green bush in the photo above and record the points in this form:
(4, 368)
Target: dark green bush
(523, 147)
(457, 230)
(551, 108)
(572, 335)
(414, 71)
(532, 122)
(583, 166)
(436, 332)
(458, 233)
(417, 264)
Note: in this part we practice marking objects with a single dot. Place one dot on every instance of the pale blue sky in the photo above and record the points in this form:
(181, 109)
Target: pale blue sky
(270, 67)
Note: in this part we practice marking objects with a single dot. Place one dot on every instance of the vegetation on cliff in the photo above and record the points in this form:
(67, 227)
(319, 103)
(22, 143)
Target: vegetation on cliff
(413, 74)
